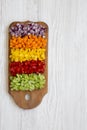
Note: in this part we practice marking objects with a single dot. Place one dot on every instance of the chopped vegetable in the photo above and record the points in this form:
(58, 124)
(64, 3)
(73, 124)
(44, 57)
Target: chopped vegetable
(27, 67)
(27, 82)
(27, 54)
(30, 41)
(21, 29)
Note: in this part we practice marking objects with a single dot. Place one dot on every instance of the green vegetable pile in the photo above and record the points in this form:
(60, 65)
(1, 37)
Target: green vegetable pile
(27, 82)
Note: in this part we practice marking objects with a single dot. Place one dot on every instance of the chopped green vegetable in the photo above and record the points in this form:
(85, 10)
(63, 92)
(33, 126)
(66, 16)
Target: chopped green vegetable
(27, 81)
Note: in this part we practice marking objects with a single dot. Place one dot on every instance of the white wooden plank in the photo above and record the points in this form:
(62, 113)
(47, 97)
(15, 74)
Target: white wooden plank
(67, 21)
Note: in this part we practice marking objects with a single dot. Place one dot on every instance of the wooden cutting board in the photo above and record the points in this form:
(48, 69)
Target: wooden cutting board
(30, 99)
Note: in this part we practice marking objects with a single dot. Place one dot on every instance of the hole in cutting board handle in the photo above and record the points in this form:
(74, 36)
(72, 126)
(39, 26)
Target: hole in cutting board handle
(27, 97)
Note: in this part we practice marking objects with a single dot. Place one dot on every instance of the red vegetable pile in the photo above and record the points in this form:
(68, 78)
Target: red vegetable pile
(27, 67)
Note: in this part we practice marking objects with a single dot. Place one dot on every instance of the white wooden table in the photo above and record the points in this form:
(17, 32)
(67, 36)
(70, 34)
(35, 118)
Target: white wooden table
(65, 105)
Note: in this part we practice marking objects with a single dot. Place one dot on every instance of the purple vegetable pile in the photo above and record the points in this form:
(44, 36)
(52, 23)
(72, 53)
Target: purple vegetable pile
(21, 29)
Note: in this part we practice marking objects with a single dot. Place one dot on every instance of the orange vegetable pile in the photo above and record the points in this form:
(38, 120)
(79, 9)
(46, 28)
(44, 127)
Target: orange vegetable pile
(30, 41)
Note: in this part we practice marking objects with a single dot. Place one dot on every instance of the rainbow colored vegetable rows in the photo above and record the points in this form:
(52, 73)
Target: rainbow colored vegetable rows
(27, 56)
